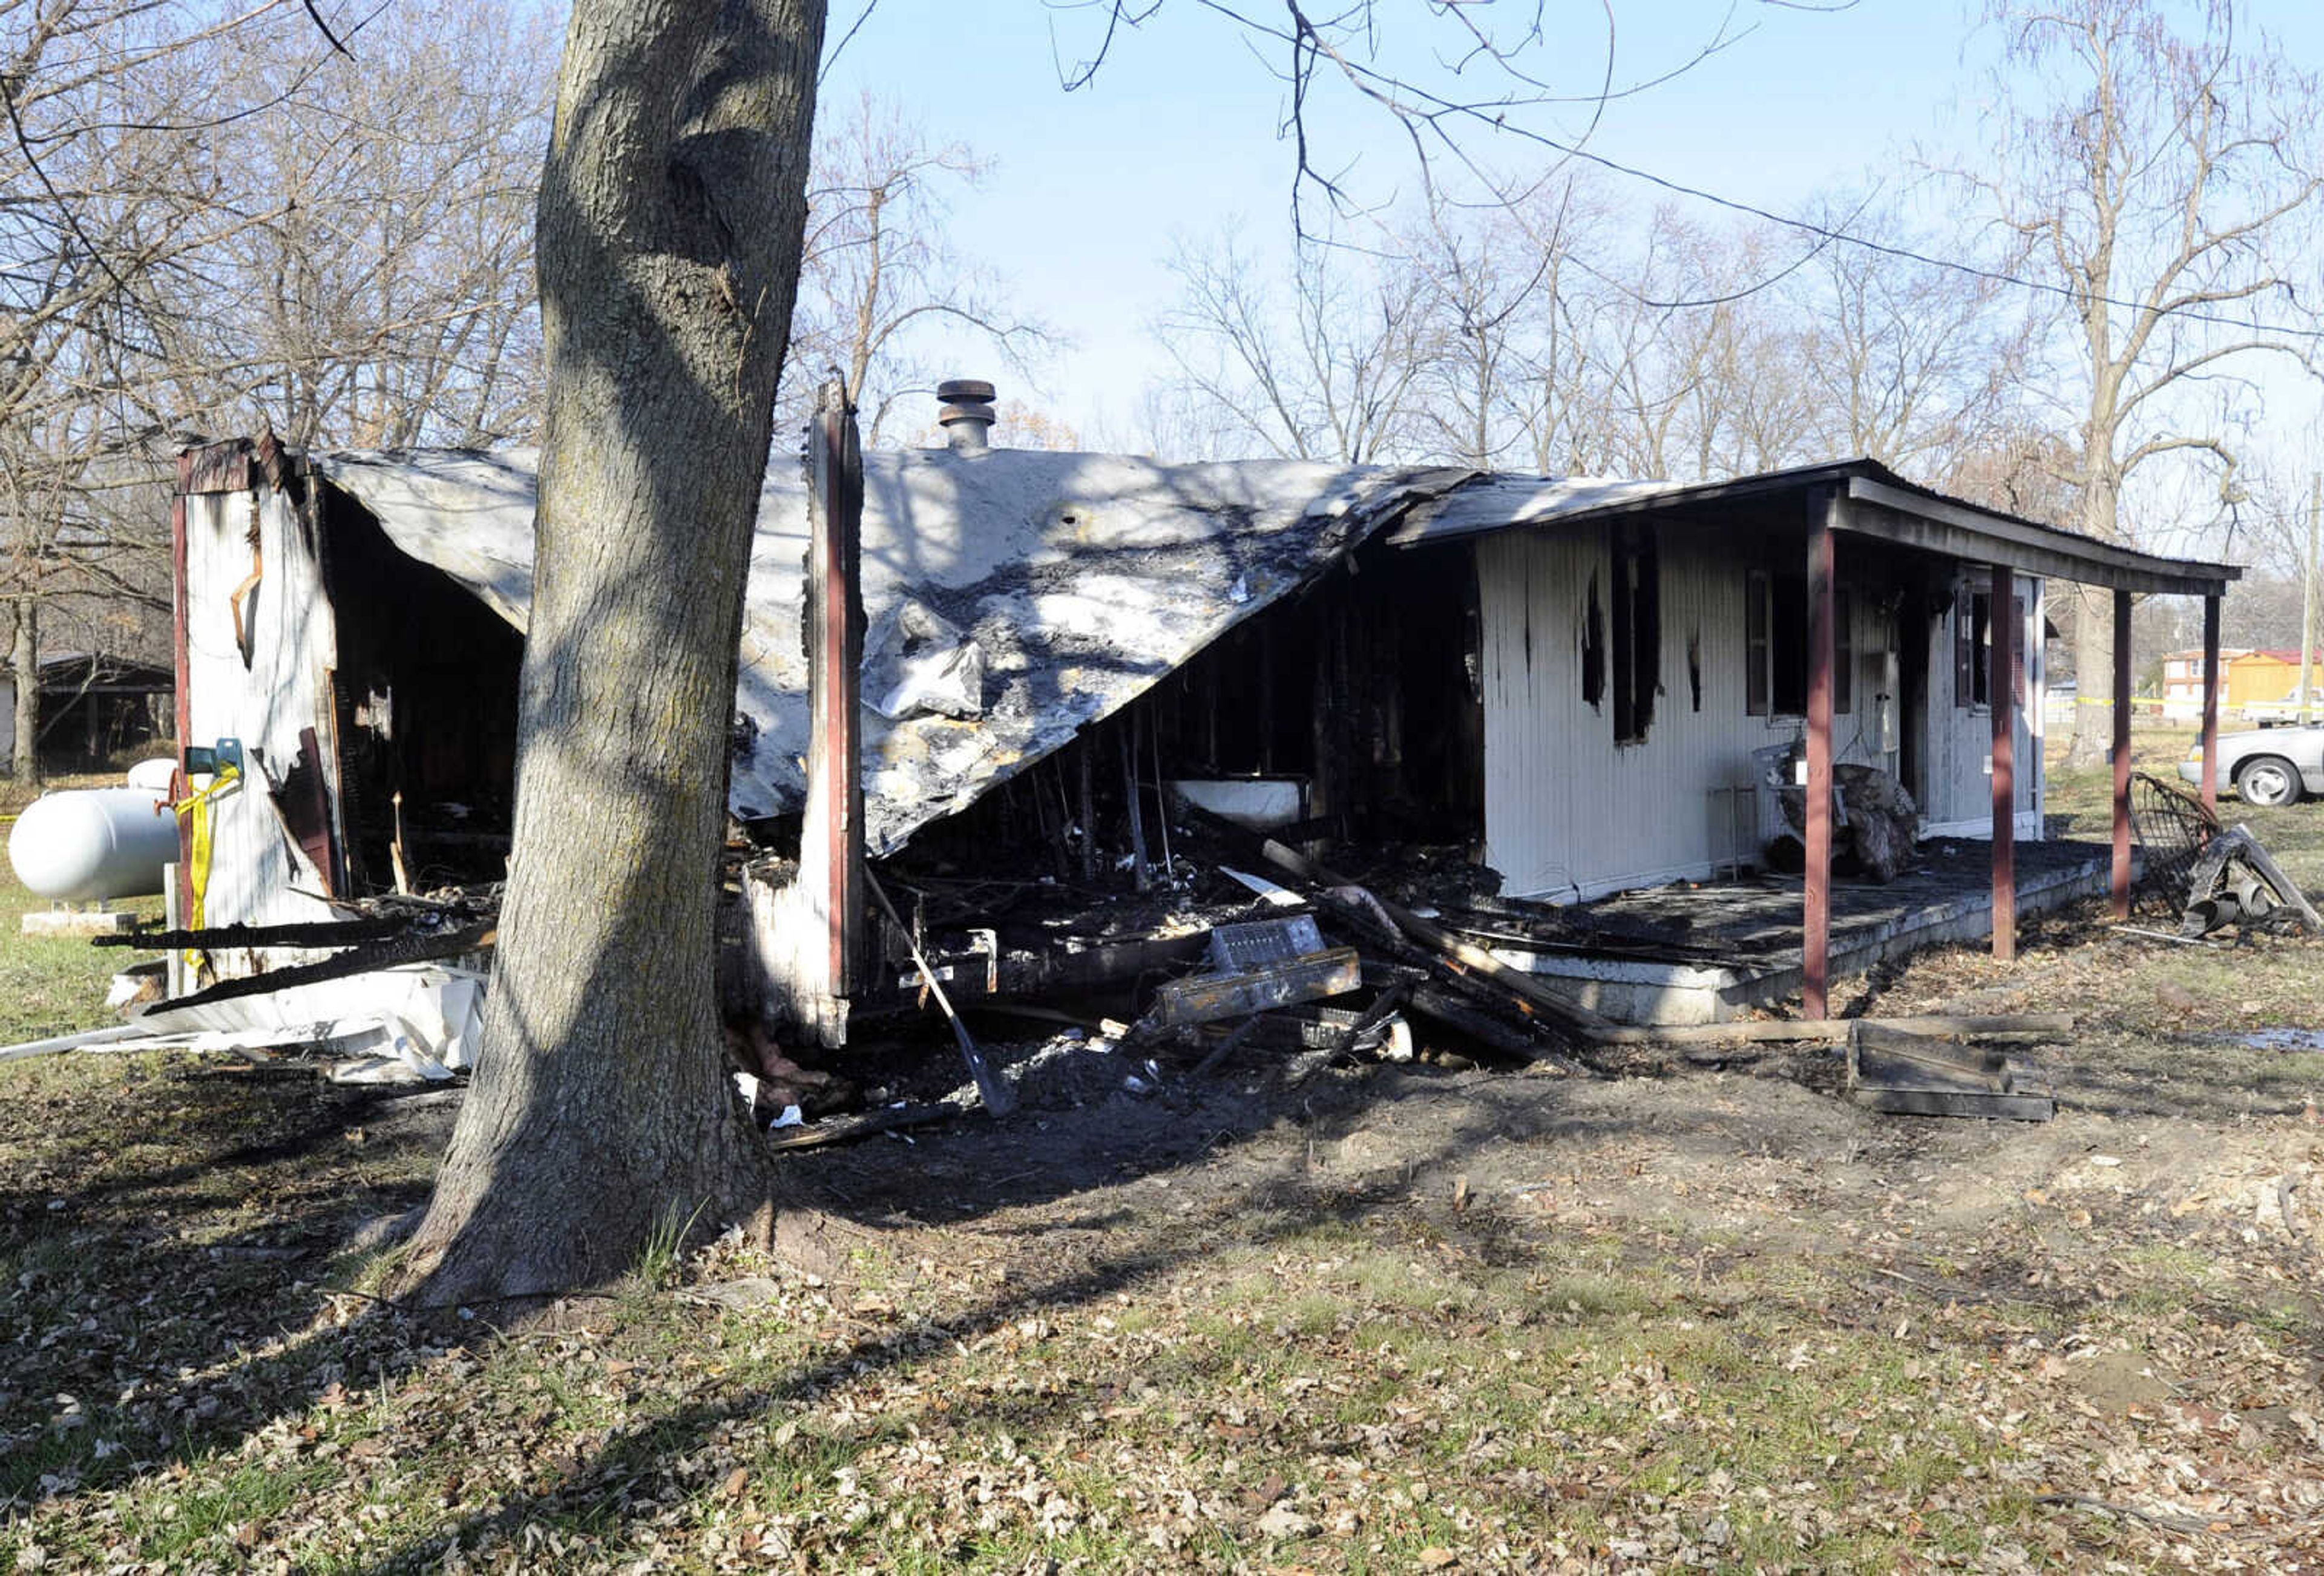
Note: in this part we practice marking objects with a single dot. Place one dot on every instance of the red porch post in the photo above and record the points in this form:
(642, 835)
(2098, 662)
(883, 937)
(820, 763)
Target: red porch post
(2122, 755)
(2211, 703)
(831, 845)
(1815, 938)
(2001, 689)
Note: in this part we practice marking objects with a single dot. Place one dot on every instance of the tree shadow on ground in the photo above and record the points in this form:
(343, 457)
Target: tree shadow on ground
(168, 1248)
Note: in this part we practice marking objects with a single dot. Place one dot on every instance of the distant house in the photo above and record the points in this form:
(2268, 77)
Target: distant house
(93, 708)
(2248, 675)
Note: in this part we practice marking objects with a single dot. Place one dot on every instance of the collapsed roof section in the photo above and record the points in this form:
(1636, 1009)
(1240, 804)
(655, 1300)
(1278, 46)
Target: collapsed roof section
(1011, 596)
(1015, 595)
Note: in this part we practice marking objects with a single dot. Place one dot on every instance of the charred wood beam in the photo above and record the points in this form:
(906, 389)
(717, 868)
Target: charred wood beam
(320, 933)
(2022, 1027)
(1533, 1000)
(1438, 1003)
(840, 1129)
(364, 960)
(1037, 974)
(1208, 998)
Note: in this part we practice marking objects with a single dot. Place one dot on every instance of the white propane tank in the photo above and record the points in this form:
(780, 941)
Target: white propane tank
(157, 774)
(89, 845)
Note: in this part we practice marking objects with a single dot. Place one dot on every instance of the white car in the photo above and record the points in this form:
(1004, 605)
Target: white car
(2270, 713)
(2267, 766)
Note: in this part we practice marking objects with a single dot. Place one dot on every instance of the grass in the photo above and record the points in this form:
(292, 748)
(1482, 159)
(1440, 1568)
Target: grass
(52, 985)
(1793, 1373)
(2294, 833)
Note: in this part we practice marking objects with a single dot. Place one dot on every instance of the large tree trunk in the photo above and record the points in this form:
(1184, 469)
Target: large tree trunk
(2092, 739)
(24, 667)
(671, 212)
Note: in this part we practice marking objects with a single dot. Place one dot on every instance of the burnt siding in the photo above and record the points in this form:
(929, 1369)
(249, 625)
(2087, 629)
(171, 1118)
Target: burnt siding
(283, 690)
(1569, 812)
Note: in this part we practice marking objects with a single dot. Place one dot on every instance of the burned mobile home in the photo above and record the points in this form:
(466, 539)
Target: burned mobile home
(1582, 728)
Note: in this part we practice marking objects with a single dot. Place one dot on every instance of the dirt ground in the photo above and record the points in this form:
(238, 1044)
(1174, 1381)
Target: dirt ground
(1693, 1314)
(2088, 1342)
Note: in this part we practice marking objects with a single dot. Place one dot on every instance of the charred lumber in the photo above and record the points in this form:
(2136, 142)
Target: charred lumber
(361, 960)
(1910, 1075)
(2018, 1026)
(1088, 816)
(1095, 966)
(1128, 738)
(316, 934)
(1227, 1044)
(1536, 999)
(840, 1129)
(1208, 998)
(1440, 1003)
(1475, 1007)
(1372, 1018)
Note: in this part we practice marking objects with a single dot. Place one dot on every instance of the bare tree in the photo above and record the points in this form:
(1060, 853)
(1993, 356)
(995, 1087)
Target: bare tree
(1910, 363)
(213, 216)
(387, 300)
(2156, 193)
(879, 272)
(671, 214)
(1489, 280)
(105, 199)
(1329, 370)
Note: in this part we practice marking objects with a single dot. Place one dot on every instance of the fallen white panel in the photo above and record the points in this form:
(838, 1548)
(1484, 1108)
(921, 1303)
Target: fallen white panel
(426, 1016)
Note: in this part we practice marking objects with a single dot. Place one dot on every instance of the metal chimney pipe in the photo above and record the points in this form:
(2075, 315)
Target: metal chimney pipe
(965, 414)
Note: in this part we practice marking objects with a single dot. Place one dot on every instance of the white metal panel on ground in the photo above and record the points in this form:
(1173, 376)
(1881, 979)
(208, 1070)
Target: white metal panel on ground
(1570, 813)
(264, 702)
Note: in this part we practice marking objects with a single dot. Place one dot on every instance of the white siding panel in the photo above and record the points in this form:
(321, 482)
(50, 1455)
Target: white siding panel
(1960, 744)
(254, 864)
(1568, 813)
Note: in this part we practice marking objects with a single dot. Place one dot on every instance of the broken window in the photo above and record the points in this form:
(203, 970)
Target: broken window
(1972, 647)
(1637, 630)
(1775, 644)
(1593, 651)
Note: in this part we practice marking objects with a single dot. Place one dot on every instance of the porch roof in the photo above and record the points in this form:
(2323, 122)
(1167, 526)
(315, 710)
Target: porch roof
(1884, 505)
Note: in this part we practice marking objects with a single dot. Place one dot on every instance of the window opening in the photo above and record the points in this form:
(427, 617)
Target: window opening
(1637, 630)
(1593, 649)
(1775, 644)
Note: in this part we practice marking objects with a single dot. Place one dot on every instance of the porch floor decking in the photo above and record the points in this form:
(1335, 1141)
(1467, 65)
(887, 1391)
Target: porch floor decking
(1728, 947)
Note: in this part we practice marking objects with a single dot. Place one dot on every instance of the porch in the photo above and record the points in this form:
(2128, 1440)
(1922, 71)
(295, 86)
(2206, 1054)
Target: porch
(1696, 953)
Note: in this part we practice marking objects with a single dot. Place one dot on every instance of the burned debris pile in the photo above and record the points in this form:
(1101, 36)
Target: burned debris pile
(2207, 878)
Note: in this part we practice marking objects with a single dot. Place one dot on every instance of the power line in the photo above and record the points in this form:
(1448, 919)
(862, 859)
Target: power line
(1429, 108)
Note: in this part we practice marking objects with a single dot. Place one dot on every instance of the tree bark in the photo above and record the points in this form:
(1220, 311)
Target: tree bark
(669, 226)
(2091, 739)
(25, 667)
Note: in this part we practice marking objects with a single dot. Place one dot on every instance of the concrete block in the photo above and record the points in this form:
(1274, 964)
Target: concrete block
(78, 922)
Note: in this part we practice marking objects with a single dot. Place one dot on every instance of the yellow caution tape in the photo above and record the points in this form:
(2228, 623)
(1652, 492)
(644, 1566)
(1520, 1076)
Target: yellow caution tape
(196, 810)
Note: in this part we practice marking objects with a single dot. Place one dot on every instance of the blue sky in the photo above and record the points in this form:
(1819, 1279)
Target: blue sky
(1178, 134)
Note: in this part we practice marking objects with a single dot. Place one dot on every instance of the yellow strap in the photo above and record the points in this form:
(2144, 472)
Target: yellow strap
(197, 810)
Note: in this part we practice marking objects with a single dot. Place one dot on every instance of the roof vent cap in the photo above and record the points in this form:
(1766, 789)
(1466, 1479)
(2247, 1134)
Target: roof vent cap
(965, 414)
